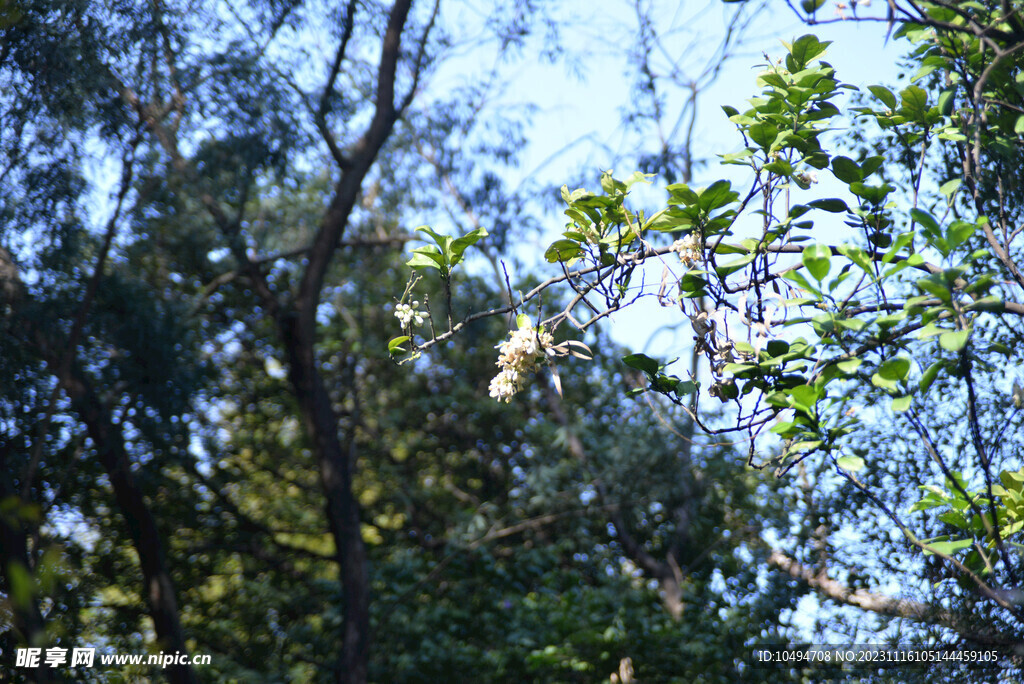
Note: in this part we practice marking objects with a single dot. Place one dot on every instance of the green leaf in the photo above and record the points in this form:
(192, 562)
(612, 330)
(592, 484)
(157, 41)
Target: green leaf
(638, 177)
(441, 240)
(804, 50)
(817, 159)
(427, 257)
(763, 133)
(930, 330)
(990, 304)
(806, 445)
(783, 427)
(959, 232)
(895, 369)
(395, 345)
(680, 193)
(737, 368)
(726, 248)
(949, 187)
(686, 387)
(849, 366)
(642, 362)
(884, 94)
(926, 220)
(804, 397)
(846, 170)
(735, 265)
(669, 220)
(833, 205)
(779, 167)
(817, 260)
(523, 322)
(562, 251)
(738, 157)
(665, 383)
(948, 548)
(915, 102)
(850, 463)
(928, 377)
(954, 340)
(926, 505)
(459, 245)
(717, 195)
(857, 256)
(946, 101)
(954, 519)
(936, 286)
(902, 241)
(20, 585)
(922, 72)
(610, 184)
(874, 194)
(691, 282)
(949, 133)
(870, 165)
(890, 320)
(801, 280)
(901, 404)
(880, 381)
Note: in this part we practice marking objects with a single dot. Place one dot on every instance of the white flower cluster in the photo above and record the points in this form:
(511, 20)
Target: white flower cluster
(519, 355)
(808, 177)
(841, 7)
(409, 313)
(688, 249)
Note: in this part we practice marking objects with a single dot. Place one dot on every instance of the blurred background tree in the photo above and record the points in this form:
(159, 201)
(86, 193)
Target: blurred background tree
(204, 449)
(204, 446)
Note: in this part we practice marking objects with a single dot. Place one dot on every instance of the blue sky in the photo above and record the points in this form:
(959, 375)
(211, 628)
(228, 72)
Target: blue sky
(578, 124)
(584, 113)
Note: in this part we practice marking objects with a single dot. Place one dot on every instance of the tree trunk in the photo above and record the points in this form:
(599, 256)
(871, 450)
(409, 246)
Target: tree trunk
(158, 587)
(336, 459)
(28, 627)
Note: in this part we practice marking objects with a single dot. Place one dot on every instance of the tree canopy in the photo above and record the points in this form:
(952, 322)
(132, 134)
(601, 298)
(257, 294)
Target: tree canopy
(834, 323)
(207, 446)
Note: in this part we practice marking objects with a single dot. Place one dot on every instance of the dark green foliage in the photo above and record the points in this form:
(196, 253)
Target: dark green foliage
(161, 163)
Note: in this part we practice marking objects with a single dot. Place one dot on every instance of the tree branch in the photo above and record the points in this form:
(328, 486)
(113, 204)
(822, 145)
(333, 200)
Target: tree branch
(881, 604)
(325, 97)
(360, 159)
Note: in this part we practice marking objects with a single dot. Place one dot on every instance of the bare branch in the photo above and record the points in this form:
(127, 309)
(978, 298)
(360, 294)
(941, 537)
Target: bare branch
(70, 349)
(321, 112)
(361, 158)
